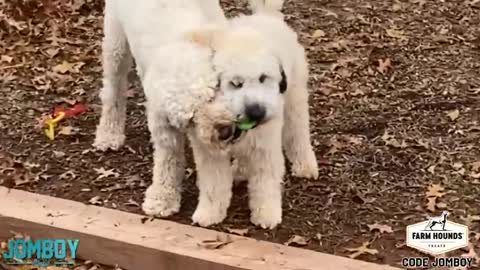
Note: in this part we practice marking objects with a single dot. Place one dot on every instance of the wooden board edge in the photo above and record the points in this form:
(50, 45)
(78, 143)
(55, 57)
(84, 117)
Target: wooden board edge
(114, 237)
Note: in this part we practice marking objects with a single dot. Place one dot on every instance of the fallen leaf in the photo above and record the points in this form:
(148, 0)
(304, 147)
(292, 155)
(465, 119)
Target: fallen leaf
(335, 145)
(297, 239)
(384, 65)
(390, 140)
(441, 205)
(363, 249)
(79, 92)
(475, 175)
(475, 166)
(95, 200)
(395, 33)
(117, 186)
(318, 33)
(65, 67)
(241, 232)
(52, 52)
(22, 179)
(325, 90)
(105, 173)
(131, 202)
(396, 7)
(131, 180)
(218, 243)
(68, 130)
(435, 190)
(6, 58)
(380, 228)
(330, 13)
(357, 92)
(58, 154)
(431, 202)
(453, 114)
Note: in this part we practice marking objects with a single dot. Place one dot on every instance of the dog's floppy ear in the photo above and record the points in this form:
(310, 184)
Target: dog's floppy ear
(283, 85)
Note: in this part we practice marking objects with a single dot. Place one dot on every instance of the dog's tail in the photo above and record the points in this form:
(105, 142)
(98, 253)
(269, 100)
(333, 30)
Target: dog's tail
(273, 7)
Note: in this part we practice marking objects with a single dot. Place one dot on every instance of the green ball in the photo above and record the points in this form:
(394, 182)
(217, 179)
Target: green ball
(246, 124)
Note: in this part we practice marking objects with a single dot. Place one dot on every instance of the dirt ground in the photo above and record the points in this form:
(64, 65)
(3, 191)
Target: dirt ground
(395, 114)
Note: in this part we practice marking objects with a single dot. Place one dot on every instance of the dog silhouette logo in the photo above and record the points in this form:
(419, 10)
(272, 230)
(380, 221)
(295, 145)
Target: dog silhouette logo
(437, 235)
(434, 221)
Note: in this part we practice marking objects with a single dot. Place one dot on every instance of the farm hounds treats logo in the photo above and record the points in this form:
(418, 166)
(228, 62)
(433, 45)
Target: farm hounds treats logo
(40, 252)
(437, 236)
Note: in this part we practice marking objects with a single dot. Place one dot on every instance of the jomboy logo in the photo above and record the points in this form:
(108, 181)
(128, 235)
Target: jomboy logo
(41, 251)
(437, 235)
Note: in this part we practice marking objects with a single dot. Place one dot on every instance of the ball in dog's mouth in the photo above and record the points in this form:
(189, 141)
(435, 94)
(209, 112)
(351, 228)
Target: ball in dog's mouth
(247, 124)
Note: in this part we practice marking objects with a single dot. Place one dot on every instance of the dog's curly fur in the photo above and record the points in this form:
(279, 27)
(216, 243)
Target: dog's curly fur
(188, 56)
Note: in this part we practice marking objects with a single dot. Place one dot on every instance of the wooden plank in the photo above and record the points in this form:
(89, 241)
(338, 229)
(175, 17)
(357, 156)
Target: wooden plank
(114, 237)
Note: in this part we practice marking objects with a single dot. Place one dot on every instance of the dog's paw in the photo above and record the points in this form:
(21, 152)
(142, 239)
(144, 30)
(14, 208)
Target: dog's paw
(267, 217)
(306, 167)
(108, 139)
(160, 203)
(206, 216)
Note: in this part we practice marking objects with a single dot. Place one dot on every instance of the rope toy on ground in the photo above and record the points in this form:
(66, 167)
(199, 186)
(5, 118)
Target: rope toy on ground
(58, 114)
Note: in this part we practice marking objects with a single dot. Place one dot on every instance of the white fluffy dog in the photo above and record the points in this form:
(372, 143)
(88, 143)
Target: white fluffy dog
(201, 74)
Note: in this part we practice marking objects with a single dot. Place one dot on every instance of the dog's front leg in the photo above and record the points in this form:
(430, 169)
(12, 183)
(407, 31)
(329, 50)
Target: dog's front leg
(214, 181)
(266, 169)
(163, 196)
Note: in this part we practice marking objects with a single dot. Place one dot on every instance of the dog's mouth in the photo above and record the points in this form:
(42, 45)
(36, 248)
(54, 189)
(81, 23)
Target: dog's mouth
(229, 133)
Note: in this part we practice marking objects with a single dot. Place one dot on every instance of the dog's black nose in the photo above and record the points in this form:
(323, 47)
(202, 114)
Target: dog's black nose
(255, 112)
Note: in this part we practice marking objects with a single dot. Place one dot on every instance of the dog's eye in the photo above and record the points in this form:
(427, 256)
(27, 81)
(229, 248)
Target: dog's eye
(236, 84)
(262, 78)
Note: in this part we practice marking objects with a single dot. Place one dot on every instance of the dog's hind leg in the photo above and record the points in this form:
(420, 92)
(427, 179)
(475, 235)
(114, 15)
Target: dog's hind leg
(163, 196)
(117, 61)
(296, 129)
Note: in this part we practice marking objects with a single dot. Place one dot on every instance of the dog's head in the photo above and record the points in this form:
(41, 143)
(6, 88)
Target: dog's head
(214, 125)
(251, 79)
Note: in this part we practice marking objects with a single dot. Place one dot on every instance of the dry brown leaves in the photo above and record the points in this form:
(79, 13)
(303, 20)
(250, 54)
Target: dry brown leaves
(16, 173)
(453, 115)
(363, 249)
(103, 173)
(390, 140)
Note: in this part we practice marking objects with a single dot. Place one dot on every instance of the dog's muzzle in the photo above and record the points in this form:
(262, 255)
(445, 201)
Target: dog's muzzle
(229, 133)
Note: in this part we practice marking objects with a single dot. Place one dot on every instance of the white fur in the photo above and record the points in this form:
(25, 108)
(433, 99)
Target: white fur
(181, 48)
(251, 46)
(177, 77)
